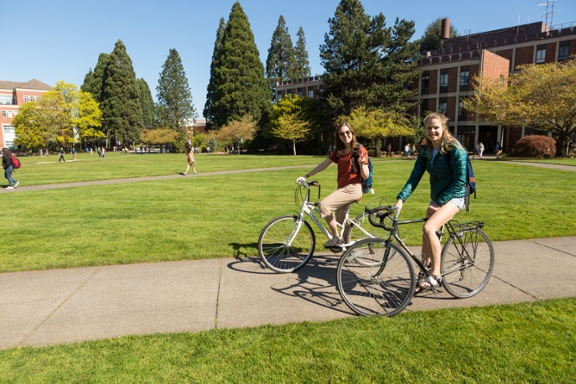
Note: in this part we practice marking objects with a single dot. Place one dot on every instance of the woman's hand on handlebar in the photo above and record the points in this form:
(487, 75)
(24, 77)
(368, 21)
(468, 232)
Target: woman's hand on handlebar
(399, 204)
(300, 180)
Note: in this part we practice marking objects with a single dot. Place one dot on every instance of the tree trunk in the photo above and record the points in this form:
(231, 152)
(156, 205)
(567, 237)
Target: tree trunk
(294, 147)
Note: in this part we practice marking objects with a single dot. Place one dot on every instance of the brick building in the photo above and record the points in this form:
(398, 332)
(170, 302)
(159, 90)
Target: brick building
(447, 72)
(12, 95)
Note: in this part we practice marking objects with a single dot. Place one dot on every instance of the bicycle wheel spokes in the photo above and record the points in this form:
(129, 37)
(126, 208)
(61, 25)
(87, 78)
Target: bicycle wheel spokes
(467, 263)
(285, 244)
(370, 286)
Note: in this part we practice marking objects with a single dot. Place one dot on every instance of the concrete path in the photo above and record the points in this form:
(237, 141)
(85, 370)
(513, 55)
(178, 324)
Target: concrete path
(41, 308)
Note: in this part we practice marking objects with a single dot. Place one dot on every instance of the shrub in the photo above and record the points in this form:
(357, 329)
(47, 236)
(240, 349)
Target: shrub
(535, 146)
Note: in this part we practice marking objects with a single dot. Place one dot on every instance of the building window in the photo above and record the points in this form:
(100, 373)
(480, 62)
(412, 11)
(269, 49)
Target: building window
(425, 83)
(6, 99)
(9, 144)
(443, 105)
(8, 129)
(10, 114)
(279, 96)
(462, 115)
(464, 78)
(563, 51)
(3, 113)
(310, 93)
(299, 92)
(540, 54)
(26, 99)
(443, 80)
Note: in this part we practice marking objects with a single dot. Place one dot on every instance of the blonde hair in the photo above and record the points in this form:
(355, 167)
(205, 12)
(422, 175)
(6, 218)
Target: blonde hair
(447, 139)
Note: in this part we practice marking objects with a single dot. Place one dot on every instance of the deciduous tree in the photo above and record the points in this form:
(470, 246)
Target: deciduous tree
(289, 120)
(238, 132)
(60, 116)
(541, 96)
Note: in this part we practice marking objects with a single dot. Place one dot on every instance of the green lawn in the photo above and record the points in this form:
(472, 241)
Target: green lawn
(197, 217)
(522, 343)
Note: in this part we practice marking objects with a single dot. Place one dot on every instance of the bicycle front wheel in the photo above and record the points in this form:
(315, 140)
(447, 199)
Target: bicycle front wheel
(372, 286)
(467, 263)
(286, 244)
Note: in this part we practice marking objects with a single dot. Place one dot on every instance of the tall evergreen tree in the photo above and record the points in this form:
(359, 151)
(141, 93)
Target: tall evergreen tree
(240, 85)
(280, 62)
(301, 63)
(367, 63)
(87, 84)
(146, 103)
(432, 39)
(121, 104)
(99, 77)
(211, 91)
(175, 106)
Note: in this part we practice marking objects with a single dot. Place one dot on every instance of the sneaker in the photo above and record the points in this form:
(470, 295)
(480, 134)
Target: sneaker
(16, 185)
(9, 187)
(333, 242)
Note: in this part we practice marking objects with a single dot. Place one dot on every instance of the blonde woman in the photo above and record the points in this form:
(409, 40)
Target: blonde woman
(191, 161)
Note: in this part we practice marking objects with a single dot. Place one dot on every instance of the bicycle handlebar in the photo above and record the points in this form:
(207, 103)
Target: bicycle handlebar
(382, 213)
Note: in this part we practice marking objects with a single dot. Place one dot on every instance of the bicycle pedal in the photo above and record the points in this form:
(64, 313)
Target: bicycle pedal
(336, 249)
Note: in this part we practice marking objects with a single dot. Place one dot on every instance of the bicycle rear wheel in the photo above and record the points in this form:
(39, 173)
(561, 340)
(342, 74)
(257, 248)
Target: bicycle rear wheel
(370, 290)
(467, 263)
(286, 244)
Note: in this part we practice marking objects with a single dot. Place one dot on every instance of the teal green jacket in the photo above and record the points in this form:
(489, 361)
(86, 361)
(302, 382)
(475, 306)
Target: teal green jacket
(447, 180)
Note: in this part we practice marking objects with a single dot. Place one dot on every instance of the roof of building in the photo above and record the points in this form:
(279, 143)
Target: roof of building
(32, 84)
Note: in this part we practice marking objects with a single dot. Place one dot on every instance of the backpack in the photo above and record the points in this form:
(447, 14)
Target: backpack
(470, 179)
(366, 184)
(15, 162)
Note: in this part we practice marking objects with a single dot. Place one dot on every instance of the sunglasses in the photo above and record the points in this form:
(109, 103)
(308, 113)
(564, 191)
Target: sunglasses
(349, 133)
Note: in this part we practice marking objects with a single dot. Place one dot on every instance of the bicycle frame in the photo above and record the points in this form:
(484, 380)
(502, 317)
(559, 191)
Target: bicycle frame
(308, 208)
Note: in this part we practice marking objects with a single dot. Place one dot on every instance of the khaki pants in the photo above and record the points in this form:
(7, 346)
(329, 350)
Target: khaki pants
(339, 201)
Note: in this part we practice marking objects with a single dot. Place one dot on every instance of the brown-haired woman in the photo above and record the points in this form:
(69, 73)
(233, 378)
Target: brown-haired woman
(349, 179)
(8, 168)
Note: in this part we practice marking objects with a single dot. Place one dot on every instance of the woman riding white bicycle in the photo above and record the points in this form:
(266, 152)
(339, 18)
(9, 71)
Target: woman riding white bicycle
(349, 179)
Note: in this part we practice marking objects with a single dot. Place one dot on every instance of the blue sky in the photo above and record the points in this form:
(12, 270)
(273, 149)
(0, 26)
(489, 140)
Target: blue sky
(61, 39)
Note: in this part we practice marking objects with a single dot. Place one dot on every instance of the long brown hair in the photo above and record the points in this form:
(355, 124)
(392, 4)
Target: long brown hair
(6, 153)
(447, 139)
(339, 144)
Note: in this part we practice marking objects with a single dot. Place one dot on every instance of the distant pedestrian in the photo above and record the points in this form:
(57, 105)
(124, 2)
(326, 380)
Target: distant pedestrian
(407, 150)
(103, 152)
(61, 158)
(480, 149)
(191, 160)
(389, 150)
(570, 148)
(8, 168)
(74, 153)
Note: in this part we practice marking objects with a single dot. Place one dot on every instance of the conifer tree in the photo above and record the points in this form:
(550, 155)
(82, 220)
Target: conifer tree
(367, 63)
(240, 87)
(301, 63)
(432, 39)
(146, 103)
(280, 62)
(99, 77)
(211, 92)
(174, 106)
(87, 84)
(121, 104)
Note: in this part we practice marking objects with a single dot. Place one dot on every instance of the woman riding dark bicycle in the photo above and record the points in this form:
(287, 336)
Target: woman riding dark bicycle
(447, 189)
(349, 179)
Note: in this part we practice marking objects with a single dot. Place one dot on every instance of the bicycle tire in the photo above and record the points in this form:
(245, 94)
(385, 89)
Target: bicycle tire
(367, 294)
(273, 249)
(467, 264)
(351, 232)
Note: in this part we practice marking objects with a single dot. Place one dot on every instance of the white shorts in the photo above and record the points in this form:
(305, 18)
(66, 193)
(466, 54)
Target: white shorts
(460, 202)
